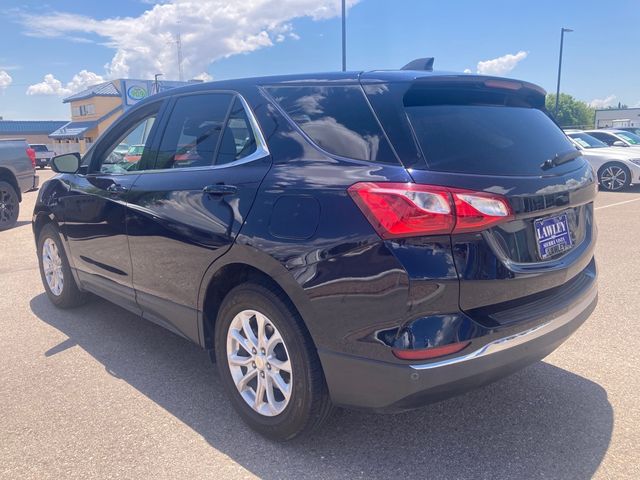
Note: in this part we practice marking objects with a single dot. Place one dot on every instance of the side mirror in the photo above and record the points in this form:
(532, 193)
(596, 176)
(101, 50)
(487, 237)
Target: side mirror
(66, 163)
(619, 143)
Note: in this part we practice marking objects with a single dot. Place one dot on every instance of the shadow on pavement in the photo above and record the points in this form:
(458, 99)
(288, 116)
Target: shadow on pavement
(635, 188)
(543, 422)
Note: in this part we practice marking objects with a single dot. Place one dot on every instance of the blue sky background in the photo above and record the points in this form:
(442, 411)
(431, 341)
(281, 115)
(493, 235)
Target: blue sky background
(601, 56)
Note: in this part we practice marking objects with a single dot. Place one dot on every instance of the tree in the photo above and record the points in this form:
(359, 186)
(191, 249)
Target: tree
(571, 112)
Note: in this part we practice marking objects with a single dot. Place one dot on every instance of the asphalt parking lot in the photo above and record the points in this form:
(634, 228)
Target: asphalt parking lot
(98, 393)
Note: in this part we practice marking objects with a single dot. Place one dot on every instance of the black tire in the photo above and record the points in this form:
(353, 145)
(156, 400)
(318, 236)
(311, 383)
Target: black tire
(309, 404)
(9, 205)
(41, 167)
(614, 177)
(70, 295)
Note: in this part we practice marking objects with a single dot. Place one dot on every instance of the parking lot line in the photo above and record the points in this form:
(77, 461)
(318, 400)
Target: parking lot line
(618, 203)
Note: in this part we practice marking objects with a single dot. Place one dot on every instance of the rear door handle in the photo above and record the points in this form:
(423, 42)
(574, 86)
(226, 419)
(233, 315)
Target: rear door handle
(220, 189)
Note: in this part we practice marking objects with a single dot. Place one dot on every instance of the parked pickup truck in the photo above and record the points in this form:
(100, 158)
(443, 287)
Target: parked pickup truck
(17, 175)
(43, 154)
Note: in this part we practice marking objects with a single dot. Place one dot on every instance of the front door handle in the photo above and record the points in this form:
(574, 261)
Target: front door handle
(117, 188)
(220, 189)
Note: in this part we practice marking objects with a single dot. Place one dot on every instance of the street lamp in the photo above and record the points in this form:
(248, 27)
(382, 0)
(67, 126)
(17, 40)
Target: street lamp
(562, 30)
(156, 87)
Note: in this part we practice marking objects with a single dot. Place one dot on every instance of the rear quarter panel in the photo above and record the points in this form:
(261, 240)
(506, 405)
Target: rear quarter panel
(14, 159)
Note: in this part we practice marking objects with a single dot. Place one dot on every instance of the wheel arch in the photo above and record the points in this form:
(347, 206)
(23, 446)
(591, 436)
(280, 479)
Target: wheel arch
(40, 219)
(616, 163)
(608, 163)
(239, 265)
(8, 176)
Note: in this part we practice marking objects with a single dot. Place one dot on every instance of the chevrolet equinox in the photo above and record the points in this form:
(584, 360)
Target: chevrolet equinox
(374, 240)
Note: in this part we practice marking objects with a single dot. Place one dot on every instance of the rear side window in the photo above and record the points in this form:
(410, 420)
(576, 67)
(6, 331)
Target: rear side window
(337, 118)
(604, 137)
(487, 139)
(204, 130)
(238, 140)
(193, 130)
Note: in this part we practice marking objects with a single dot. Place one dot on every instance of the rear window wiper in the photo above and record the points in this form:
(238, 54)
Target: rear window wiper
(560, 158)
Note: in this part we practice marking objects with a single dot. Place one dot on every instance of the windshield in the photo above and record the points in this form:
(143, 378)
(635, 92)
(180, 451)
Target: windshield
(39, 148)
(587, 141)
(629, 137)
(488, 140)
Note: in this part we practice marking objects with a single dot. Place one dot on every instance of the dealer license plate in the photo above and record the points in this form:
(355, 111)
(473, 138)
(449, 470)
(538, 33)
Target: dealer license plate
(553, 235)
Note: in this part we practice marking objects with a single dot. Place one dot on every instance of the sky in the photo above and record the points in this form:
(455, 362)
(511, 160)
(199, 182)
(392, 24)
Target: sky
(51, 50)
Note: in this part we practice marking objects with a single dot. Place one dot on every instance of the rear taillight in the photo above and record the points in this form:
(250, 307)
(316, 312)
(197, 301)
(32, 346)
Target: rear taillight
(408, 209)
(31, 153)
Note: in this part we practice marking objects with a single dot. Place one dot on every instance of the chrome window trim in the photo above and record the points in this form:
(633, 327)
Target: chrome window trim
(262, 150)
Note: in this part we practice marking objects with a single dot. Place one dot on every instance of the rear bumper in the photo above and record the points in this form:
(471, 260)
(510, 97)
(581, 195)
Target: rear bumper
(386, 387)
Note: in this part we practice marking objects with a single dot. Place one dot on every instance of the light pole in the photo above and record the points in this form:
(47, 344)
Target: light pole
(562, 30)
(344, 35)
(155, 83)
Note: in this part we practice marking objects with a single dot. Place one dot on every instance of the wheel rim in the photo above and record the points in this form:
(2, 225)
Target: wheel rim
(8, 204)
(613, 178)
(52, 266)
(259, 363)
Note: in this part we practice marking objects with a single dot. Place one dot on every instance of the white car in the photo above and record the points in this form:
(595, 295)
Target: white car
(617, 167)
(616, 138)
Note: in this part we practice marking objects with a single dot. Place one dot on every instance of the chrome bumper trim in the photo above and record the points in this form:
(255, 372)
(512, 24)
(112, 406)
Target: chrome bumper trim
(519, 338)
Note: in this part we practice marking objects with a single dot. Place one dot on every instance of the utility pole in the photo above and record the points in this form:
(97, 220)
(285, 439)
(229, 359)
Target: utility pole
(344, 35)
(562, 31)
(179, 45)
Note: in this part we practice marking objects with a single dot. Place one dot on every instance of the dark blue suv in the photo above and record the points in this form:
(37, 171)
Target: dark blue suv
(377, 240)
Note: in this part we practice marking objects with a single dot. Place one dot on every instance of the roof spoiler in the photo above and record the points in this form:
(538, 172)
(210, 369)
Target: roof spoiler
(425, 64)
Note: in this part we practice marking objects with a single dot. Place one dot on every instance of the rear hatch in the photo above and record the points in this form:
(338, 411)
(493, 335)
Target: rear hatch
(493, 136)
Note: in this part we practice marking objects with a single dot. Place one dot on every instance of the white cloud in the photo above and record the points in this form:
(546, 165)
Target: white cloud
(52, 86)
(602, 102)
(501, 65)
(5, 80)
(466, 70)
(210, 30)
(204, 76)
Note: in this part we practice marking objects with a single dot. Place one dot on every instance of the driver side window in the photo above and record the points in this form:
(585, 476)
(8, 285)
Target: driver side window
(127, 153)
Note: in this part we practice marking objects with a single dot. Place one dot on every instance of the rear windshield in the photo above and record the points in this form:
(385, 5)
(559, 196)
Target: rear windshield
(488, 139)
(40, 148)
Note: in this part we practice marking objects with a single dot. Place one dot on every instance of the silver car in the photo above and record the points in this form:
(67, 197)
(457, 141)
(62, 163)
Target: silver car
(617, 167)
(614, 137)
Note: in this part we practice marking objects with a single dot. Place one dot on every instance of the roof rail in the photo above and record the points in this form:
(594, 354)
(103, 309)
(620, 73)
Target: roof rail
(420, 64)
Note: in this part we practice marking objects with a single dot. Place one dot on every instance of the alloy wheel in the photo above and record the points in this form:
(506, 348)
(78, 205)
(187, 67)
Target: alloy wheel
(52, 266)
(613, 178)
(259, 363)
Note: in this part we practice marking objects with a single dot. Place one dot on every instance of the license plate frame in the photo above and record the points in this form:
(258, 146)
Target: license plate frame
(553, 235)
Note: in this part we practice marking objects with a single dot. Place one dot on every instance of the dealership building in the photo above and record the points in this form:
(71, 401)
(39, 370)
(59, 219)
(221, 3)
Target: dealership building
(93, 110)
(618, 117)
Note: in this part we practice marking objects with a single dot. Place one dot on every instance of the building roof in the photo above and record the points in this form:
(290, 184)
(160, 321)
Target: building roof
(106, 89)
(73, 129)
(77, 129)
(29, 127)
